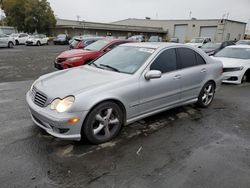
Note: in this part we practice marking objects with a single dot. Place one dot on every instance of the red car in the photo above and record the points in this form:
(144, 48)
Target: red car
(77, 57)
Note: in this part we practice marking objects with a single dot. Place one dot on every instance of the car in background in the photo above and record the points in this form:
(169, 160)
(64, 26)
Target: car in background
(246, 42)
(174, 40)
(61, 39)
(129, 83)
(82, 42)
(137, 38)
(20, 38)
(155, 38)
(37, 40)
(77, 57)
(6, 41)
(199, 41)
(236, 63)
(212, 48)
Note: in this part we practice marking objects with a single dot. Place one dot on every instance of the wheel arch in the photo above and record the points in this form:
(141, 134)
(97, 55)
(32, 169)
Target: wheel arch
(117, 101)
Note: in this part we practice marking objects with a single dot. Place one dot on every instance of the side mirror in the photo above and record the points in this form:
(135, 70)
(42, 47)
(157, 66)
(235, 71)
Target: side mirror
(153, 74)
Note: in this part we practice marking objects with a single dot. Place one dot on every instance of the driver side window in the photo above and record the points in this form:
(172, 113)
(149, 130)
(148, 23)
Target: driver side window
(165, 62)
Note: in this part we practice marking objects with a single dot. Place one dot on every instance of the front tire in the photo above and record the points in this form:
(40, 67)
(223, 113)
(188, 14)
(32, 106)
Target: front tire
(10, 45)
(206, 95)
(38, 43)
(103, 123)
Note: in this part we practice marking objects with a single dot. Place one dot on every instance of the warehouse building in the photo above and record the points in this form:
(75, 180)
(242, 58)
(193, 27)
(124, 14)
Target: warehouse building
(74, 28)
(218, 29)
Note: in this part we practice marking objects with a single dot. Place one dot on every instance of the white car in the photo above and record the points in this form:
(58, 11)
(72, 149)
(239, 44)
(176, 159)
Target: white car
(20, 38)
(6, 41)
(199, 41)
(236, 63)
(37, 40)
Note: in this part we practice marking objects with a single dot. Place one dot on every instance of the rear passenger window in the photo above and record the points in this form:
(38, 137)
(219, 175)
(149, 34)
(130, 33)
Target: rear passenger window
(165, 62)
(187, 57)
(199, 59)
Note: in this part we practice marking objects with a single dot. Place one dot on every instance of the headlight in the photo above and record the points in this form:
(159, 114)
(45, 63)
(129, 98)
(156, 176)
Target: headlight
(73, 59)
(62, 105)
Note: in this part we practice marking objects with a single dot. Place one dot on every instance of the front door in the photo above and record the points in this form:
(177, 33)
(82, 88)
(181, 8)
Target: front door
(161, 92)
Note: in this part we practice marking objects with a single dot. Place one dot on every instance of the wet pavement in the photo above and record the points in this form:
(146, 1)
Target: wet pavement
(183, 147)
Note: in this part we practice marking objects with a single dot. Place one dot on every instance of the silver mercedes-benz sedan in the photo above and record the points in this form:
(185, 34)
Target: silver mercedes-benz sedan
(129, 83)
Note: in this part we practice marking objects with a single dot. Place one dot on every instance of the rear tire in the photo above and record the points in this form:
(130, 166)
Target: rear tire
(103, 123)
(17, 42)
(206, 95)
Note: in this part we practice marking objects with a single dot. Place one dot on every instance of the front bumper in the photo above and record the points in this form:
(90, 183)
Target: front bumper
(233, 77)
(54, 123)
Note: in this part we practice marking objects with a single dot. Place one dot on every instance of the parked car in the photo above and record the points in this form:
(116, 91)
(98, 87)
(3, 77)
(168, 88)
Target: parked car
(20, 38)
(175, 40)
(82, 42)
(61, 39)
(37, 40)
(246, 42)
(236, 63)
(212, 48)
(155, 39)
(6, 41)
(137, 38)
(199, 41)
(130, 82)
(77, 57)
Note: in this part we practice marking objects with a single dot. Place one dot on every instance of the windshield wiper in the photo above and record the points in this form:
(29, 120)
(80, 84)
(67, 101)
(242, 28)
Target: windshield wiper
(110, 67)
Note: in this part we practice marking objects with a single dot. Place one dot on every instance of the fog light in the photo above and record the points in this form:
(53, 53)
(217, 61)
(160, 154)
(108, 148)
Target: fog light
(73, 120)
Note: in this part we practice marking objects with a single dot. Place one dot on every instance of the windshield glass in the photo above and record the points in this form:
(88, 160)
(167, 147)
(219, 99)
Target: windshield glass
(75, 43)
(14, 35)
(124, 59)
(97, 46)
(197, 40)
(239, 53)
(61, 36)
(211, 45)
(247, 42)
(34, 36)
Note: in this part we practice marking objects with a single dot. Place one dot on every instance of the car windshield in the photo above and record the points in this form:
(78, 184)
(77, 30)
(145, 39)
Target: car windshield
(14, 35)
(61, 36)
(197, 40)
(211, 45)
(97, 46)
(247, 42)
(238, 53)
(35, 36)
(124, 59)
(75, 42)
(153, 39)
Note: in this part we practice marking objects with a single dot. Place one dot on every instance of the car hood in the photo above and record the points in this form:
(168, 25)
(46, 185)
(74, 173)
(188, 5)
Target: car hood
(76, 80)
(75, 52)
(232, 62)
(207, 50)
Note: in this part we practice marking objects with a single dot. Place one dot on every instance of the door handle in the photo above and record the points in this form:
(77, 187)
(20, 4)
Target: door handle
(204, 70)
(177, 77)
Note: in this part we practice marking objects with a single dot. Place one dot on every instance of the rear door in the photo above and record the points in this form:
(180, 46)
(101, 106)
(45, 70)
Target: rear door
(193, 73)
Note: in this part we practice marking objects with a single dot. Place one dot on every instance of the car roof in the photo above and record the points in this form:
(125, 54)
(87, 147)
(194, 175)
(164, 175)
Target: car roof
(239, 46)
(153, 45)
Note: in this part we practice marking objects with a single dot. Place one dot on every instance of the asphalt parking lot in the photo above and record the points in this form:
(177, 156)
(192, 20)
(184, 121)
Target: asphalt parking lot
(185, 147)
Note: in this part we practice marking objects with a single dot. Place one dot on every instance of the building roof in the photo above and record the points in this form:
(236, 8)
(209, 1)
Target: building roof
(130, 20)
(106, 26)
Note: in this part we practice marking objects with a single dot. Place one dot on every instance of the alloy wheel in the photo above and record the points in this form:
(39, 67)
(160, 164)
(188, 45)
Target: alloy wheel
(208, 94)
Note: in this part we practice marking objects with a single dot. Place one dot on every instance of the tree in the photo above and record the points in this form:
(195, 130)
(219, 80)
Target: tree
(29, 15)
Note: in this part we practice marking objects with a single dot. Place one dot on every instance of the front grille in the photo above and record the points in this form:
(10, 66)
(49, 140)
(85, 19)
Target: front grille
(60, 60)
(231, 69)
(39, 98)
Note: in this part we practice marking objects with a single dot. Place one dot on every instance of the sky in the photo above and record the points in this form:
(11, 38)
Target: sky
(114, 10)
